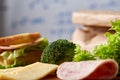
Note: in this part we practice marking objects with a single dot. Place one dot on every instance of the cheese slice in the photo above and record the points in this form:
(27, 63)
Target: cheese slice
(9, 69)
(33, 71)
(4, 71)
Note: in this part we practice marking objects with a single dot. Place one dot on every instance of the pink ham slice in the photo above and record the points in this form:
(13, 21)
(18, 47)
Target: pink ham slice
(92, 69)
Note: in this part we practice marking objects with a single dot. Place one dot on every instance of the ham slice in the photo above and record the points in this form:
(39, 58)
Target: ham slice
(89, 37)
(91, 69)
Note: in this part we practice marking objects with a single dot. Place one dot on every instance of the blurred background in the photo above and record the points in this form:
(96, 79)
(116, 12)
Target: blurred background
(52, 18)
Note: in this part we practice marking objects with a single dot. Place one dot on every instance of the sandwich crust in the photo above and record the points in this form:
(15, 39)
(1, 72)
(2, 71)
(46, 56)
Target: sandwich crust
(19, 38)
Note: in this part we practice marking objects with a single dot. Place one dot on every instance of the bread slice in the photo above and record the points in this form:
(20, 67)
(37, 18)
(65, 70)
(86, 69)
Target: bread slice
(95, 18)
(11, 47)
(19, 38)
(35, 71)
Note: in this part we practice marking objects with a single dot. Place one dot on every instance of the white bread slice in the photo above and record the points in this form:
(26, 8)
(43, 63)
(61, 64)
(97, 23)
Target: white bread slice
(95, 18)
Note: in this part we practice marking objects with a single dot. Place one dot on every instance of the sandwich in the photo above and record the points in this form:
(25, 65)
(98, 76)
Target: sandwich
(21, 49)
(94, 24)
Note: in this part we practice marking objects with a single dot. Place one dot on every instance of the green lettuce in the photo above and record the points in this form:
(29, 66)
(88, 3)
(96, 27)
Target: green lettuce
(110, 50)
(21, 57)
(81, 55)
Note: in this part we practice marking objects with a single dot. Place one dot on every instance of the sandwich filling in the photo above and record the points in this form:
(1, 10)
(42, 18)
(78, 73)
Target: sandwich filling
(22, 54)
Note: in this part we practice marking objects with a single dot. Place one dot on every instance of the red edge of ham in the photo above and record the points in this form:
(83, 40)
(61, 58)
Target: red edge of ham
(91, 69)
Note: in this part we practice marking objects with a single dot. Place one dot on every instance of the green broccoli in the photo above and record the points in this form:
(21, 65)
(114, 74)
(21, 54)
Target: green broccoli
(58, 51)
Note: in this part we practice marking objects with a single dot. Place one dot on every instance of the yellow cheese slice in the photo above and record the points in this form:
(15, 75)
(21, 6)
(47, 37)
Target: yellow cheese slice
(33, 71)
(9, 69)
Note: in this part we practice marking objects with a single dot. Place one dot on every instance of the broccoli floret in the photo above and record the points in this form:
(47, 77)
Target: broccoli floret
(58, 51)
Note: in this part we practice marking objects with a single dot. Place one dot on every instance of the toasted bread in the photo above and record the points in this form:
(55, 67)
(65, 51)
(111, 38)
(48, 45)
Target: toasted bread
(19, 39)
(11, 47)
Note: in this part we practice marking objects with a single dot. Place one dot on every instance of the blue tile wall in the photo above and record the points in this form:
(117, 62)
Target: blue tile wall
(52, 18)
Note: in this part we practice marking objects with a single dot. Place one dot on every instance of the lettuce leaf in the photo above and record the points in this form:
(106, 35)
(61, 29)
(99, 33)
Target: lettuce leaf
(110, 50)
(19, 57)
(81, 55)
